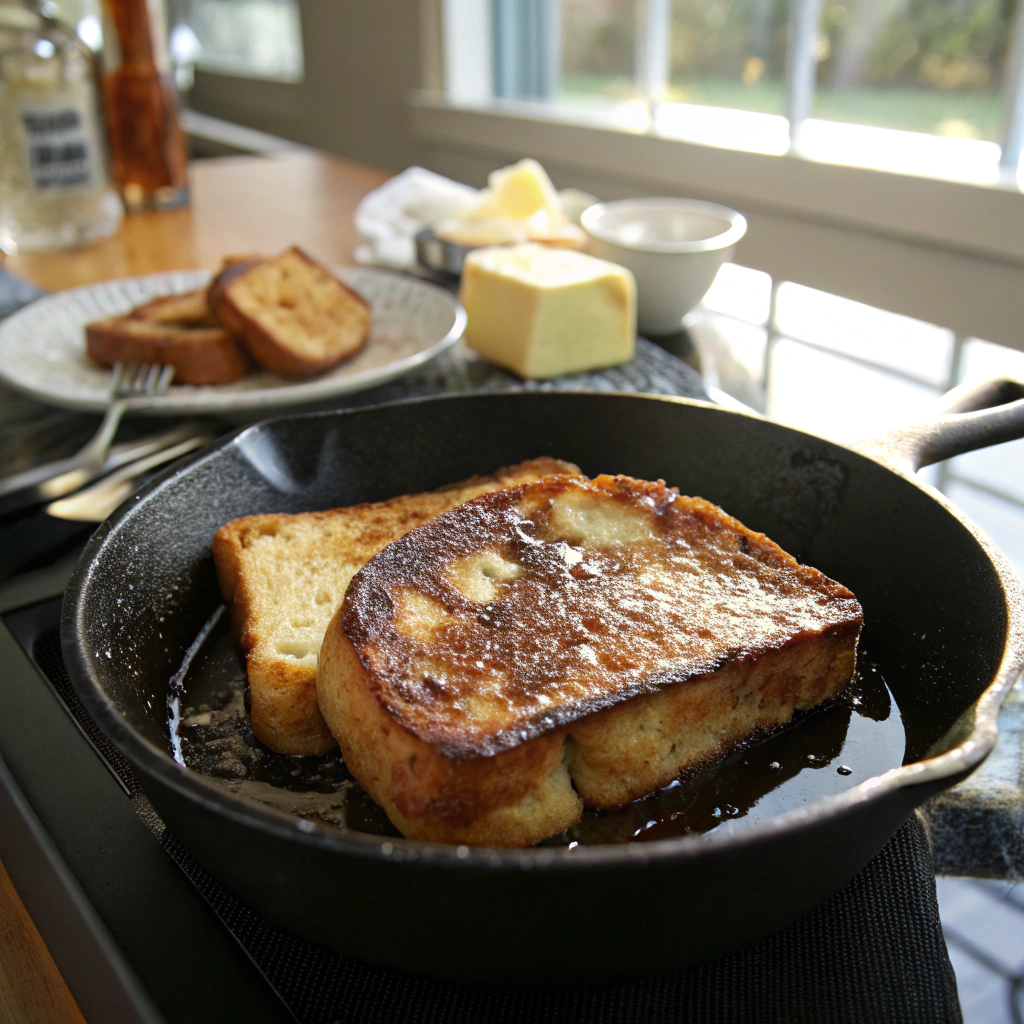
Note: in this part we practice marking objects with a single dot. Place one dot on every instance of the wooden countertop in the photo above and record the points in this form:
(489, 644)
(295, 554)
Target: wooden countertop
(239, 205)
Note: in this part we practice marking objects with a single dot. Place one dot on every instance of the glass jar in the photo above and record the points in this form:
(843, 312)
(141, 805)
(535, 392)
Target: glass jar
(55, 185)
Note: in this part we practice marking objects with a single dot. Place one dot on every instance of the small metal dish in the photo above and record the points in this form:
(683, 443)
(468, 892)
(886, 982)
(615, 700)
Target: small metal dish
(441, 256)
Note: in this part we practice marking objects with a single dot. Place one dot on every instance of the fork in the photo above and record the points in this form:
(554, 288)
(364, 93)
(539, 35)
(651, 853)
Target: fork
(54, 479)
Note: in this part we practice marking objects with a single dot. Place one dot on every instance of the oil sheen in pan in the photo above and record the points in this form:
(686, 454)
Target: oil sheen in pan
(825, 751)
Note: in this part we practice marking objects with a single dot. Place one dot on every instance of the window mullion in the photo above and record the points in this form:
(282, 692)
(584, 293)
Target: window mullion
(1013, 123)
(801, 63)
(653, 37)
(551, 44)
(507, 50)
(527, 48)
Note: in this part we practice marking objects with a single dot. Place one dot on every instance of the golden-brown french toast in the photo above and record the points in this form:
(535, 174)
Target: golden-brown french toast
(188, 309)
(285, 575)
(199, 355)
(567, 643)
(292, 314)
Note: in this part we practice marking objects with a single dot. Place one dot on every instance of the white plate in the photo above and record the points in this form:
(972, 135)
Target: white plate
(42, 347)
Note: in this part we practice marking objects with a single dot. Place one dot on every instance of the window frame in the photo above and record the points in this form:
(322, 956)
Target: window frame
(946, 251)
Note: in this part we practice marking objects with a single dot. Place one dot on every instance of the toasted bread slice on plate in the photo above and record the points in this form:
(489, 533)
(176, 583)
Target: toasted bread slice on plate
(292, 314)
(567, 643)
(285, 575)
(199, 355)
(188, 309)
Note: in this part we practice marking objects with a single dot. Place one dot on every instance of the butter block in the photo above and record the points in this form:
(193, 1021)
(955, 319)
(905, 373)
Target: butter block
(544, 312)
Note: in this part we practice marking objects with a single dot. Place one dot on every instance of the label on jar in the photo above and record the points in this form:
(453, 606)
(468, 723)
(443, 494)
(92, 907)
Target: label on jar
(61, 143)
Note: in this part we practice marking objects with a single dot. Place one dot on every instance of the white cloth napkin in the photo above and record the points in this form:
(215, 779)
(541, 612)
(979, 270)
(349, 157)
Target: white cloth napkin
(389, 218)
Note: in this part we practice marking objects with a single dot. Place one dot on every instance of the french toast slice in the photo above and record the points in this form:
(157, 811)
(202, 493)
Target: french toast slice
(284, 576)
(292, 314)
(199, 355)
(186, 309)
(567, 643)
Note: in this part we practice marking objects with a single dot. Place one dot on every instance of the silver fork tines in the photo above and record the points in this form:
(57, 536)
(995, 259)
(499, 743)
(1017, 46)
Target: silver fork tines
(44, 483)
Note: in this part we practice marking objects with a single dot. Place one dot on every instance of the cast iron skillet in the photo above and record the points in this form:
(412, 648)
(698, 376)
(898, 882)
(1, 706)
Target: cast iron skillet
(941, 603)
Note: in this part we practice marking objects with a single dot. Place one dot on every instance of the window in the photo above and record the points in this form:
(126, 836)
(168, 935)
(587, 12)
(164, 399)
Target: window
(598, 50)
(934, 66)
(930, 87)
(846, 370)
(728, 54)
(249, 38)
(785, 111)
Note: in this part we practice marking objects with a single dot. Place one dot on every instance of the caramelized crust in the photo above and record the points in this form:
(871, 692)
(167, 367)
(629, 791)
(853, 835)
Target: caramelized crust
(292, 314)
(199, 355)
(284, 576)
(188, 309)
(511, 799)
(529, 608)
(569, 636)
(635, 747)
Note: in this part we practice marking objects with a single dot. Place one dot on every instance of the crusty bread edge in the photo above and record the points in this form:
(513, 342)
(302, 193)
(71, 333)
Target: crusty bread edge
(694, 722)
(221, 361)
(280, 716)
(512, 799)
(151, 311)
(432, 797)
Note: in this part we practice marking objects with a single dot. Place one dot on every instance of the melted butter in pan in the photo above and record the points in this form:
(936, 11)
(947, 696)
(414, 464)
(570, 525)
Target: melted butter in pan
(862, 730)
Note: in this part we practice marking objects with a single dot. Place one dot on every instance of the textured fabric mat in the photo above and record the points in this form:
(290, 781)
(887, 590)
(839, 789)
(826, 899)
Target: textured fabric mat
(873, 953)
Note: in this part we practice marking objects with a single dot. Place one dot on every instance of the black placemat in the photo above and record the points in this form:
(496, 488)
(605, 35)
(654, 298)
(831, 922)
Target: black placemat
(874, 954)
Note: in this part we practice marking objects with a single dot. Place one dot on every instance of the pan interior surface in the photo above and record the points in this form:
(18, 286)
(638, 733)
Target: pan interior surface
(824, 752)
(935, 612)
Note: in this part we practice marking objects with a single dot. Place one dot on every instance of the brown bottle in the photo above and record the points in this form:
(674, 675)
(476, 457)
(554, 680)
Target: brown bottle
(141, 102)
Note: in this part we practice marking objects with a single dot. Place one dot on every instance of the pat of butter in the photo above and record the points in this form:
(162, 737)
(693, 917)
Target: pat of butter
(519, 192)
(543, 312)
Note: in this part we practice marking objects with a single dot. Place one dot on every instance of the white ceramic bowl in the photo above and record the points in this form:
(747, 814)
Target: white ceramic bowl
(674, 248)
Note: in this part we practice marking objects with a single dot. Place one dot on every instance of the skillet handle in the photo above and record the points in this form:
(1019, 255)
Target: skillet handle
(969, 417)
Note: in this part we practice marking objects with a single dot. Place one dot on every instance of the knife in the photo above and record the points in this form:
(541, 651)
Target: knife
(38, 484)
(94, 503)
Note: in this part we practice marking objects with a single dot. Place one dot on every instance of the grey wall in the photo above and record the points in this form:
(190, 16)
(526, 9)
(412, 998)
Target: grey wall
(362, 60)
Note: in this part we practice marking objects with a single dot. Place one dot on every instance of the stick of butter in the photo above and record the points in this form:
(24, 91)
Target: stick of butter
(542, 312)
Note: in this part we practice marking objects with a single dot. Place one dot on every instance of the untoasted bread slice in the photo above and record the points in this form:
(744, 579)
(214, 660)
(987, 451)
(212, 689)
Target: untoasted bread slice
(189, 309)
(569, 642)
(285, 575)
(199, 355)
(292, 314)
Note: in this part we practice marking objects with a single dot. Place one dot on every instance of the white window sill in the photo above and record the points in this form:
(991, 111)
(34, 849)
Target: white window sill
(964, 203)
(948, 252)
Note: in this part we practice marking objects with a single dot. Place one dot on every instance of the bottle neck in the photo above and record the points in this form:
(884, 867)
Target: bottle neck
(135, 33)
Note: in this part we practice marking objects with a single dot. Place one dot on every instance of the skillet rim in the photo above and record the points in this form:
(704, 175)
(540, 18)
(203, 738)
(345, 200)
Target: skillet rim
(150, 760)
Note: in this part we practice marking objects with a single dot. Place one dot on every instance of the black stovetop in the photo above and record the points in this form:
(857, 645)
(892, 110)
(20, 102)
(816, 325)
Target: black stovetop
(131, 933)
